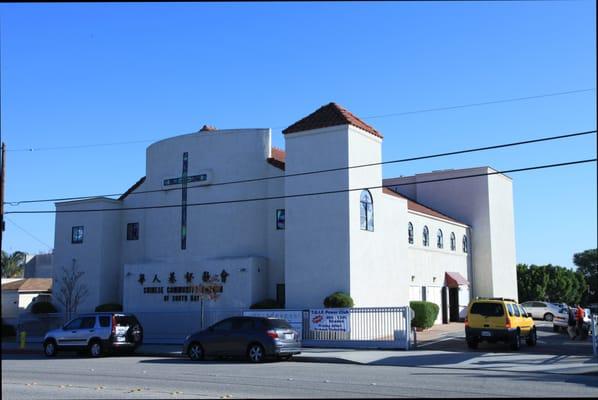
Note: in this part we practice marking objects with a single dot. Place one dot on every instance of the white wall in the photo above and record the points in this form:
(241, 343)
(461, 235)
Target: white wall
(96, 256)
(317, 227)
(485, 203)
(378, 258)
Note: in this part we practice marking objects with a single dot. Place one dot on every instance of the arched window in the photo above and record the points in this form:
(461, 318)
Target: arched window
(465, 244)
(439, 239)
(426, 236)
(366, 211)
(410, 232)
(453, 242)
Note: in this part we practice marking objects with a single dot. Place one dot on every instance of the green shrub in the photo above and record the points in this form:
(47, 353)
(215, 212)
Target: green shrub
(109, 307)
(265, 304)
(425, 314)
(338, 300)
(43, 307)
(8, 330)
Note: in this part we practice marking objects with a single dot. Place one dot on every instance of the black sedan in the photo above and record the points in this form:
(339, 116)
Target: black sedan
(253, 337)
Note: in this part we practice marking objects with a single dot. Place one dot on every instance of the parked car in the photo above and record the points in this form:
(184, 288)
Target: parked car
(96, 333)
(541, 309)
(561, 319)
(253, 337)
(498, 319)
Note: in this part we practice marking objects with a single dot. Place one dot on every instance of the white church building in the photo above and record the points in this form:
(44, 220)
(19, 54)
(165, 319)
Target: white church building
(225, 204)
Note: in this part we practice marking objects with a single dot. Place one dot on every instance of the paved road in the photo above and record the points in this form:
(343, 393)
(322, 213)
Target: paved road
(66, 377)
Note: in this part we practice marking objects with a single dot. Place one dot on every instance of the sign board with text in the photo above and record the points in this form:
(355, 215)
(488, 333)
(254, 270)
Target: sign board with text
(329, 320)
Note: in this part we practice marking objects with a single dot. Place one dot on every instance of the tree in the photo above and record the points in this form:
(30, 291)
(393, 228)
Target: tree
(550, 283)
(587, 265)
(72, 292)
(12, 265)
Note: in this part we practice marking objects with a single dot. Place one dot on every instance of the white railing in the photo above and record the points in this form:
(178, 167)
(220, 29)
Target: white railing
(380, 327)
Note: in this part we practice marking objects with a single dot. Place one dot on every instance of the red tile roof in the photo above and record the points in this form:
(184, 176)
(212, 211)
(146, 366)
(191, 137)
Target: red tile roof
(331, 114)
(417, 207)
(132, 188)
(277, 159)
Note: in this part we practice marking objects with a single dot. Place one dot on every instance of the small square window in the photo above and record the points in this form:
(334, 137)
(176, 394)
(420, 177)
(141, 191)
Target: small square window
(280, 219)
(77, 234)
(133, 231)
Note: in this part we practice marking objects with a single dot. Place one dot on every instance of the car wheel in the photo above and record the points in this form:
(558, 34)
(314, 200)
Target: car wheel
(255, 353)
(95, 348)
(548, 317)
(195, 352)
(50, 348)
(532, 338)
(516, 341)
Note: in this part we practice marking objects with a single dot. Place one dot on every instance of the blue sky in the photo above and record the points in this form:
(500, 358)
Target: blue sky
(100, 73)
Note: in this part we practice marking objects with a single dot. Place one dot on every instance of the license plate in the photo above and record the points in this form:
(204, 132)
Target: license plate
(288, 336)
(120, 339)
(486, 333)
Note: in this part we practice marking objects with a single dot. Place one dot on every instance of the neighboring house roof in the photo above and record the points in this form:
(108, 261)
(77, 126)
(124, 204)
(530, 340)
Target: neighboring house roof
(36, 285)
(14, 285)
(412, 205)
(331, 114)
(278, 158)
(132, 188)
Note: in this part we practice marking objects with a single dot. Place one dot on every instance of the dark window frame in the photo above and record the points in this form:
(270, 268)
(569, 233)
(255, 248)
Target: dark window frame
(133, 231)
(280, 223)
(426, 236)
(410, 233)
(439, 239)
(366, 211)
(453, 242)
(73, 230)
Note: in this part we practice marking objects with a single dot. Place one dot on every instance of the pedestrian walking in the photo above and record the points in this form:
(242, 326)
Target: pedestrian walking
(579, 315)
(571, 322)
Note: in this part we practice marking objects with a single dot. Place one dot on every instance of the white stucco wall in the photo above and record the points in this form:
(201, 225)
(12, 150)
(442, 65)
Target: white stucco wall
(483, 203)
(317, 227)
(378, 258)
(96, 256)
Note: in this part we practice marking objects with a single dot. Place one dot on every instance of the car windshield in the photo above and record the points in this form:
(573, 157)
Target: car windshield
(488, 309)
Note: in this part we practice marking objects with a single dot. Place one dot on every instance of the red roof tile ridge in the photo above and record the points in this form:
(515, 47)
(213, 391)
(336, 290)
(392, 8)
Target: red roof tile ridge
(331, 114)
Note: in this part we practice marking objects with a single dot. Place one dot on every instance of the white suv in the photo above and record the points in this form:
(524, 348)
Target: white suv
(95, 333)
(541, 309)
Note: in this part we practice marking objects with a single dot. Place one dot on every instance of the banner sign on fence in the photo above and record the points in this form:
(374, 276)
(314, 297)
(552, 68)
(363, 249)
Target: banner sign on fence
(294, 318)
(329, 320)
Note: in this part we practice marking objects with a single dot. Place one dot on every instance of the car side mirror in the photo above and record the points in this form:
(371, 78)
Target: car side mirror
(529, 315)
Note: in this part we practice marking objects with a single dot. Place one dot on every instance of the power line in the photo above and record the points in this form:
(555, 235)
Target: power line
(69, 147)
(478, 104)
(29, 233)
(303, 194)
(250, 180)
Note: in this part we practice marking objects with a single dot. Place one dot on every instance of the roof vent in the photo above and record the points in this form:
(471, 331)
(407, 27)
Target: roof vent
(207, 128)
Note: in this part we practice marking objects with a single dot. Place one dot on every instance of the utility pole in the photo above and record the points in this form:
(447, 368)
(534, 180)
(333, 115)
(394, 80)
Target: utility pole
(2, 167)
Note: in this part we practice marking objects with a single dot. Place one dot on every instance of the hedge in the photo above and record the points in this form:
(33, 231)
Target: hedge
(109, 307)
(43, 307)
(425, 314)
(265, 304)
(338, 300)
